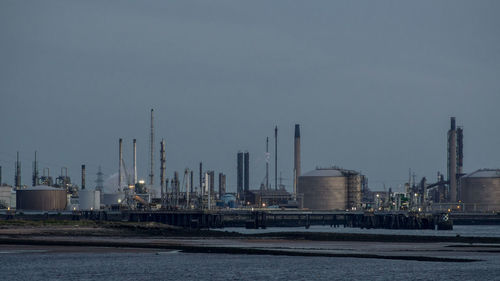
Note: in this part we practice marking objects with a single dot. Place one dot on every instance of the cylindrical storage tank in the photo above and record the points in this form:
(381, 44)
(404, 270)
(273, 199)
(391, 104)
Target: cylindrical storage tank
(113, 198)
(41, 198)
(480, 190)
(5, 196)
(323, 189)
(354, 182)
(89, 199)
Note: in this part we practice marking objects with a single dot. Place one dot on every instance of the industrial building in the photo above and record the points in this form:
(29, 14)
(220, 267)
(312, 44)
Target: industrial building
(480, 190)
(41, 198)
(455, 159)
(269, 198)
(331, 189)
(243, 175)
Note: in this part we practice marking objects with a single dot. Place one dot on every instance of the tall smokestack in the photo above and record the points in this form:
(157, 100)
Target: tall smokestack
(211, 183)
(452, 161)
(18, 172)
(175, 188)
(276, 158)
(297, 159)
(188, 184)
(1, 176)
(239, 175)
(35, 172)
(120, 158)
(135, 161)
(267, 163)
(162, 167)
(151, 150)
(247, 172)
(191, 181)
(83, 177)
(460, 151)
(222, 185)
(201, 178)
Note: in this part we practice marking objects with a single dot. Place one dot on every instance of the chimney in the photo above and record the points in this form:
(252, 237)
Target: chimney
(222, 185)
(18, 172)
(151, 147)
(162, 167)
(247, 172)
(83, 177)
(239, 175)
(201, 178)
(35, 172)
(296, 159)
(267, 163)
(135, 161)
(452, 161)
(120, 163)
(276, 158)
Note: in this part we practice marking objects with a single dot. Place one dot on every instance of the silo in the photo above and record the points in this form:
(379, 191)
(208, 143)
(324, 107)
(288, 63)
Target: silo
(480, 190)
(323, 189)
(5, 196)
(42, 198)
(89, 199)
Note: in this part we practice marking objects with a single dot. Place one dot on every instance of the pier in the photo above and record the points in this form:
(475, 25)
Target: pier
(268, 218)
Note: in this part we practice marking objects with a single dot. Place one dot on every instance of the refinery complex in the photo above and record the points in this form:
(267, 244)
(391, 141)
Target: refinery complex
(322, 189)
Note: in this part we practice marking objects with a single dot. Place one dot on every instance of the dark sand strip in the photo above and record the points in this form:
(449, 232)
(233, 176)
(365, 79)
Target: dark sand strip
(219, 250)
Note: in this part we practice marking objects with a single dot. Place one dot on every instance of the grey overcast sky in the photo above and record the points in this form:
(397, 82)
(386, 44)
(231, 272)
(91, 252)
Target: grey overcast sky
(372, 84)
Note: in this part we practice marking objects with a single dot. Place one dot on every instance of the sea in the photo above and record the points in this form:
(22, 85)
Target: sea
(174, 265)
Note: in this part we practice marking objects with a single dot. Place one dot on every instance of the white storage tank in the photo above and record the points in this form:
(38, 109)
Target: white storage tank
(5, 196)
(89, 200)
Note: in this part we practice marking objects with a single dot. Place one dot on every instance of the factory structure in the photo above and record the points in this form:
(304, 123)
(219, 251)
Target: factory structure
(480, 190)
(329, 188)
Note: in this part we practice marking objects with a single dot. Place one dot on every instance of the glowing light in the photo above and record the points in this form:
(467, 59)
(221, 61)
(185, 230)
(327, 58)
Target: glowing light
(119, 200)
(141, 181)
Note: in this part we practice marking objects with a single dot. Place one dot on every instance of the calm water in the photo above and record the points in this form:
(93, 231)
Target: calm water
(462, 230)
(181, 266)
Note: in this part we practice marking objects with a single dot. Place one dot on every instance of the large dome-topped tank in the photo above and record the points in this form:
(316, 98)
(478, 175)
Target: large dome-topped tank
(480, 190)
(330, 189)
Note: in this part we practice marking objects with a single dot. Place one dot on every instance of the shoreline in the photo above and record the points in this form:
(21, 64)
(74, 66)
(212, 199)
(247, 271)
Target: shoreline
(21, 228)
(218, 250)
(155, 236)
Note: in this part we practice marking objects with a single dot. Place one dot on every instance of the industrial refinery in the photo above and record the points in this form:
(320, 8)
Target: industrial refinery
(322, 189)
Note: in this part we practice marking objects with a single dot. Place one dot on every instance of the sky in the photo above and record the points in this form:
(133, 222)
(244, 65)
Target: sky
(371, 83)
